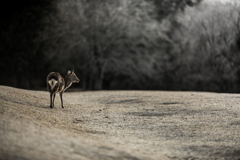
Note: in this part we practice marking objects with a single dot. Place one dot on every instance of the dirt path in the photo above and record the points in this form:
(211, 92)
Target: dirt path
(119, 125)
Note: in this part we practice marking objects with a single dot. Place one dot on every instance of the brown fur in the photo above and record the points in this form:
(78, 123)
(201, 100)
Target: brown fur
(57, 84)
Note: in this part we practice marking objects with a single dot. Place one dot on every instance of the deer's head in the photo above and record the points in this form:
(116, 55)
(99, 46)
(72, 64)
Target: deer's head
(72, 76)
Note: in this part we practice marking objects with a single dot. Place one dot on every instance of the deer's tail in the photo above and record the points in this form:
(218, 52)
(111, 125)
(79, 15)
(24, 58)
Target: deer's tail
(52, 83)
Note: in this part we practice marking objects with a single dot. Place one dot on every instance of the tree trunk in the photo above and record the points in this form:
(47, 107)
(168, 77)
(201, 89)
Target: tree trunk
(98, 79)
(84, 80)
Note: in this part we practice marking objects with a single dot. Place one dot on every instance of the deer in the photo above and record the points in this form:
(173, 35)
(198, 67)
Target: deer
(57, 84)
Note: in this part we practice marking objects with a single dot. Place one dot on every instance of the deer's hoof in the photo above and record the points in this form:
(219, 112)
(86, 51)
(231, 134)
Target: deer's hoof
(62, 107)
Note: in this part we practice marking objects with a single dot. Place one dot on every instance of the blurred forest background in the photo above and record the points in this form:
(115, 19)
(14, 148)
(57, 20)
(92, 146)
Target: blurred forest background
(122, 44)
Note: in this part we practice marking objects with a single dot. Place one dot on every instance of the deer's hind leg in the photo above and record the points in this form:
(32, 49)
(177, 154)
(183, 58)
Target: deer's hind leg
(51, 99)
(54, 94)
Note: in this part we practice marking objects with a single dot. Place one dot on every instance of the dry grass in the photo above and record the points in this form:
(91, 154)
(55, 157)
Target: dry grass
(119, 125)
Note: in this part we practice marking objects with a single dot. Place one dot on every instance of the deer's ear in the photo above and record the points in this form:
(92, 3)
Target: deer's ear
(69, 72)
(72, 71)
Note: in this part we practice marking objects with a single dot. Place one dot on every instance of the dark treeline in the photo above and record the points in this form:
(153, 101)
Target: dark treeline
(122, 44)
(23, 61)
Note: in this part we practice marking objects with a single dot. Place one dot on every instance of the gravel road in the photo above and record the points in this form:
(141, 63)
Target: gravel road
(127, 125)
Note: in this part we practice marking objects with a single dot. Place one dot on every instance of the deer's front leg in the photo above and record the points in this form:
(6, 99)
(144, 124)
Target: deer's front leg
(61, 93)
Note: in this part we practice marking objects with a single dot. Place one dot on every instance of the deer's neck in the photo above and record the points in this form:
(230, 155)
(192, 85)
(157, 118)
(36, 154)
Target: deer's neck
(68, 83)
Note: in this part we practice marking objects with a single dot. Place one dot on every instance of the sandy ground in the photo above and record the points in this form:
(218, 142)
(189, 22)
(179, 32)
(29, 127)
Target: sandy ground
(106, 125)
